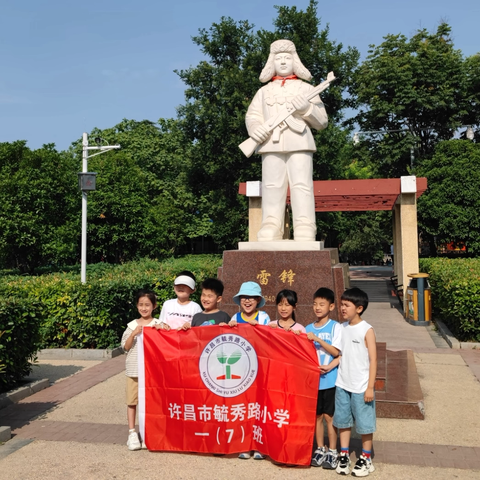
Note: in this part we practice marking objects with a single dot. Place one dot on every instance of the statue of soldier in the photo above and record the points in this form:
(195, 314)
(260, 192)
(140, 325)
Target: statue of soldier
(287, 151)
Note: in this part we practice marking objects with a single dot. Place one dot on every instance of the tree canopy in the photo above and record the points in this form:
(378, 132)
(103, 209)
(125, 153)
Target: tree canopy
(416, 92)
(450, 209)
(37, 205)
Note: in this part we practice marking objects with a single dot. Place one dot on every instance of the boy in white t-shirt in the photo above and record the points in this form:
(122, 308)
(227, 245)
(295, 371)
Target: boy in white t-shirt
(180, 311)
(355, 385)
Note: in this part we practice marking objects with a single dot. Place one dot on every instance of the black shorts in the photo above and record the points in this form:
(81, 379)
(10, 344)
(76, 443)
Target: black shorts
(326, 402)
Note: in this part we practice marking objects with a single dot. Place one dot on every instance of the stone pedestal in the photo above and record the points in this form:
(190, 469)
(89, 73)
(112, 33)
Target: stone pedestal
(281, 245)
(302, 271)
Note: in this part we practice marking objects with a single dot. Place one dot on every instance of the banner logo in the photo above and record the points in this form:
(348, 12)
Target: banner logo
(228, 365)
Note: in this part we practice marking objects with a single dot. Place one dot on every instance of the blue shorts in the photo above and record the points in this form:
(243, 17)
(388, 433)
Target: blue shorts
(350, 409)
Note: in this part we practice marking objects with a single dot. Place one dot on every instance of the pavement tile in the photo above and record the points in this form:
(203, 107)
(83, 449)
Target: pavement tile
(445, 462)
(403, 459)
(431, 462)
(404, 447)
(419, 461)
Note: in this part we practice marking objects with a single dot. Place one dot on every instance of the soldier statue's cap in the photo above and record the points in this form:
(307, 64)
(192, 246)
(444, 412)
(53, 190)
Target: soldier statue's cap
(284, 46)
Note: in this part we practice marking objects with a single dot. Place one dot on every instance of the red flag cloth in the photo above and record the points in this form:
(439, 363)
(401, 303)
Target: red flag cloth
(226, 390)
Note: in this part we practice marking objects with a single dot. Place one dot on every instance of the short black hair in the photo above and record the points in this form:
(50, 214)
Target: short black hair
(357, 296)
(187, 273)
(325, 293)
(213, 284)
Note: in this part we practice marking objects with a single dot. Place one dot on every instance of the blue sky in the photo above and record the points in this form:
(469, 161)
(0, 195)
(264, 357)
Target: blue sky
(67, 67)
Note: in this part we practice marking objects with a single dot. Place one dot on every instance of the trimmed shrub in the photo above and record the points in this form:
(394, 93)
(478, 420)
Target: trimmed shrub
(19, 340)
(70, 314)
(455, 287)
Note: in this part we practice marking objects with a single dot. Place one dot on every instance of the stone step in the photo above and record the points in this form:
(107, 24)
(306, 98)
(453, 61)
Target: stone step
(403, 396)
(380, 380)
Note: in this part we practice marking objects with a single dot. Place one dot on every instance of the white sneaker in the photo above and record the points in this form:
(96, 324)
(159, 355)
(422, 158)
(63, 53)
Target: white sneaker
(133, 442)
(319, 457)
(258, 456)
(363, 467)
(330, 462)
(343, 464)
(244, 455)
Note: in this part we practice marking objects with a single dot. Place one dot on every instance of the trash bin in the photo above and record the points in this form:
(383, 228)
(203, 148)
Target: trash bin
(419, 300)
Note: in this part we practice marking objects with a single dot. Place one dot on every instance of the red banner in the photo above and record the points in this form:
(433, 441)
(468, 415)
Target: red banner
(228, 390)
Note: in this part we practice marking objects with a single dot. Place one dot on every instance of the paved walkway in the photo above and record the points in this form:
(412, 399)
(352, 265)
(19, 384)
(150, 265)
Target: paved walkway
(87, 409)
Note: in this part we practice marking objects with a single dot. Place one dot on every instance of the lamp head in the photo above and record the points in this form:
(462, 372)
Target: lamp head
(470, 134)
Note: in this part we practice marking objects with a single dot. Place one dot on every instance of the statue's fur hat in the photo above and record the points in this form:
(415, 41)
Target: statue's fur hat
(284, 46)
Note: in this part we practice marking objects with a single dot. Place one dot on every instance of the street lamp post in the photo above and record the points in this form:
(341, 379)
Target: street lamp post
(87, 182)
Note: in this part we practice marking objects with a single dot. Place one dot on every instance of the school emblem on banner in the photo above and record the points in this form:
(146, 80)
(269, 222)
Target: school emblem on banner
(228, 365)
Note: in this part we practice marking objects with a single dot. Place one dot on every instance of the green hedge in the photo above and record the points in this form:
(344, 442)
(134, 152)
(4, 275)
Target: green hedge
(456, 294)
(93, 315)
(19, 340)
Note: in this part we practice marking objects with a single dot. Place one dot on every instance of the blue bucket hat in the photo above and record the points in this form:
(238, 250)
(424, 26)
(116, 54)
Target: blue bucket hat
(250, 289)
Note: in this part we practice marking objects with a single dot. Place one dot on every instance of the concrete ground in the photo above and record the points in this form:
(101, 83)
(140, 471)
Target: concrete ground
(83, 461)
(56, 370)
(77, 428)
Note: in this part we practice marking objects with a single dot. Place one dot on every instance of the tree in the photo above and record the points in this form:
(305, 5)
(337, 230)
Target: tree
(471, 69)
(450, 209)
(39, 206)
(417, 85)
(365, 236)
(145, 180)
(218, 93)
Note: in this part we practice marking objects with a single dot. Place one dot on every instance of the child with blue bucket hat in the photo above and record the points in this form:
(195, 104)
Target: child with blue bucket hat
(250, 299)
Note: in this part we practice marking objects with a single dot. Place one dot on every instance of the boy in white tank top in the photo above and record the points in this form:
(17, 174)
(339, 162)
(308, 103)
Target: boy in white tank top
(355, 396)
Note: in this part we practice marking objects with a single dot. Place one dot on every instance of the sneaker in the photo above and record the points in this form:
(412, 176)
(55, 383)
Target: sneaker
(363, 467)
(330, 462)
(343, 464)
(144, 446)
(258, 456)
(319, 457)
(133, 442)
(244, 455)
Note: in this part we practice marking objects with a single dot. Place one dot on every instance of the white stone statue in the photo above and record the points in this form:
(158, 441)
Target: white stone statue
(287, 149)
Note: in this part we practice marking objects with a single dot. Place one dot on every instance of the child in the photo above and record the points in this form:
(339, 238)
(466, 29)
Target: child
(286, 303)
(146, 303)
(212, 291)
(177, 311)
(326, 334)
(355, 396)
(249, 299)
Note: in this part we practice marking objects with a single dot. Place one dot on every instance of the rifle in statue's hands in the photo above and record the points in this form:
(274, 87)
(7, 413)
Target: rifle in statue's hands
(249, 146)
